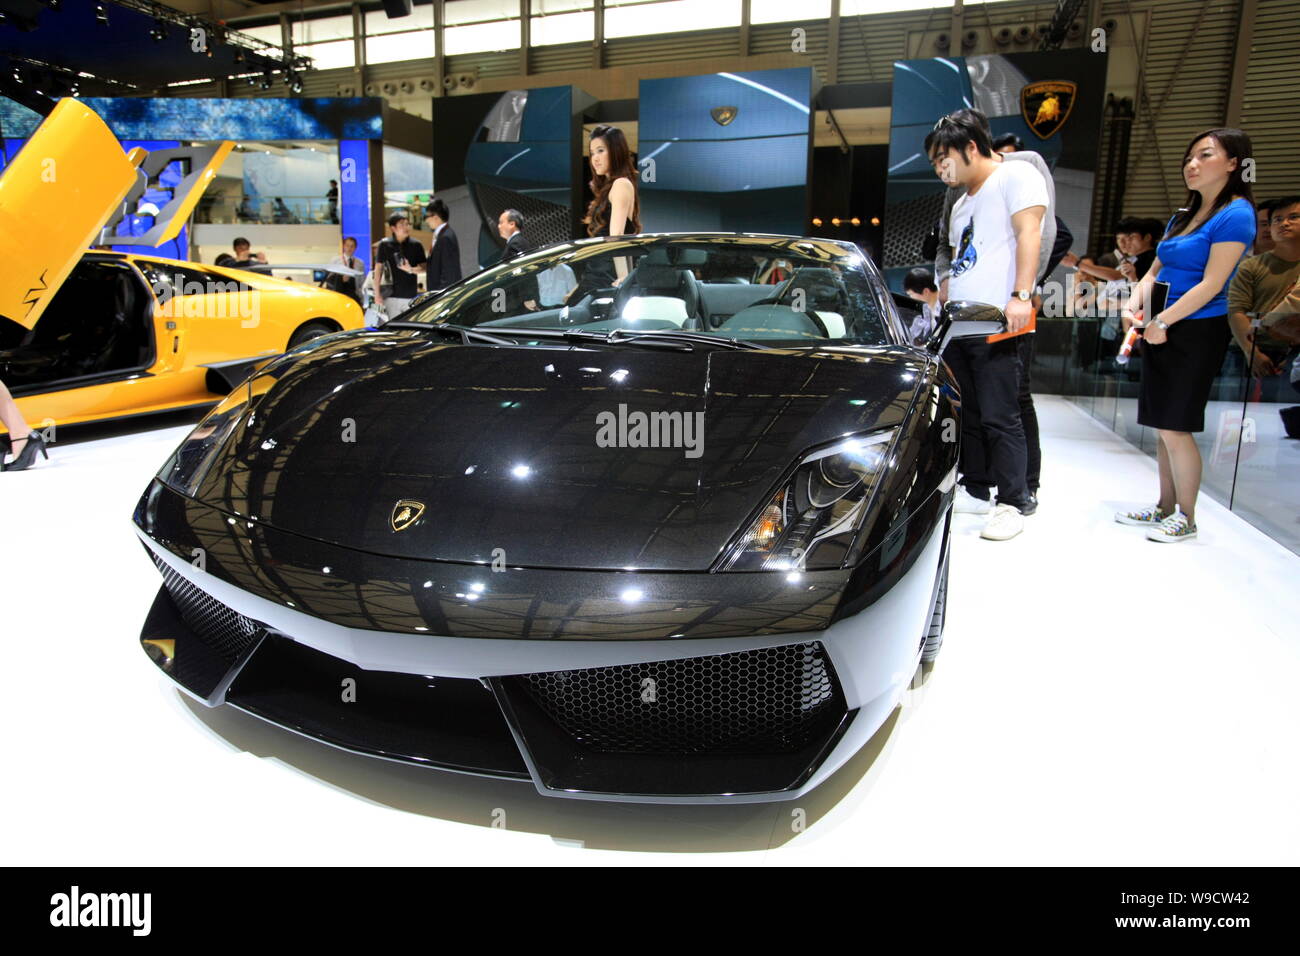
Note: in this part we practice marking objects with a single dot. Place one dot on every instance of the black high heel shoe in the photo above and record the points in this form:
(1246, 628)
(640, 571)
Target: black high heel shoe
(27, 457)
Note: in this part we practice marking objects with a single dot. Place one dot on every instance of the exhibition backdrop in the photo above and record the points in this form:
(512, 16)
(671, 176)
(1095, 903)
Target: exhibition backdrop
(1053, 101)
(726, 151)
(162, 122)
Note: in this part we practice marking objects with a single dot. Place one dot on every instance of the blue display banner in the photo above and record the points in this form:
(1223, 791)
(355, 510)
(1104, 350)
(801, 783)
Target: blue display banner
(205, 119)
(354, 194)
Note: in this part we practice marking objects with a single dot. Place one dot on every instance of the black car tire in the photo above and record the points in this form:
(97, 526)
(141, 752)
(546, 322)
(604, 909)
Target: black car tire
(312, 330)
(934, 639)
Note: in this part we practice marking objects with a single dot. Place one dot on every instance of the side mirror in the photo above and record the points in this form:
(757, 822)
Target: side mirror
(962, 320)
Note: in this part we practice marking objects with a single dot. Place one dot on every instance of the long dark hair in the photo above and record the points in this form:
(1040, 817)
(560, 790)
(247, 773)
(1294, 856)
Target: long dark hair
(1237, 145)
(620, 166)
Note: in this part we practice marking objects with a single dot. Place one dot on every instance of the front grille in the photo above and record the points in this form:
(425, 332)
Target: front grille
(770, 700)
(224, 630)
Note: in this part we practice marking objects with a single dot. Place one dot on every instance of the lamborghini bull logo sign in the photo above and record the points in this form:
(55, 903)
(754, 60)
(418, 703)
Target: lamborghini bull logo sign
(1046, 105)
(406, 513)
(723, 115)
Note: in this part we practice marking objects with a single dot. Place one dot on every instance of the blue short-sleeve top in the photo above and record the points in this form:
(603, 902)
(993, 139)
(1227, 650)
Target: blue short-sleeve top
(1183, 258)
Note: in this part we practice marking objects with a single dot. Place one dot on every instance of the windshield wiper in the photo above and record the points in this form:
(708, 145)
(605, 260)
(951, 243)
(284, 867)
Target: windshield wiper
(652, 338)
(686, 337)
(464, 333)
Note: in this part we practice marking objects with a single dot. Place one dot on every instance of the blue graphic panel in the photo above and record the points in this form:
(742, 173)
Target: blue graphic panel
(354, 194)
(726, 151)
(251, 118)
(137, 224)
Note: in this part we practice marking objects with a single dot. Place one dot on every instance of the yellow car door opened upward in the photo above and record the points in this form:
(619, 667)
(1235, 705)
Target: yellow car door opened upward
(90, 334)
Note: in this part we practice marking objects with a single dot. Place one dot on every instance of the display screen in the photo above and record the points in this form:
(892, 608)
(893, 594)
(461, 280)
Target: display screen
(205, 119)
(726, 152)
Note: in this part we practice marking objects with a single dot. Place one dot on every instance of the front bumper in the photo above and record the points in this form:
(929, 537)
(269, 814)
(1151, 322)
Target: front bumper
(694, 720)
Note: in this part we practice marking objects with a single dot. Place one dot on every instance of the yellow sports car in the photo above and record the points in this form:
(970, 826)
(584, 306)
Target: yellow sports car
(90, 335)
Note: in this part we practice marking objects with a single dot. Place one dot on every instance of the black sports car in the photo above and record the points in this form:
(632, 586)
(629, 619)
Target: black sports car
(657, 518)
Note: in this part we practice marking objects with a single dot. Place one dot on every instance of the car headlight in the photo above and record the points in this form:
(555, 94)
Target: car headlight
(190, 461)
(811, 522)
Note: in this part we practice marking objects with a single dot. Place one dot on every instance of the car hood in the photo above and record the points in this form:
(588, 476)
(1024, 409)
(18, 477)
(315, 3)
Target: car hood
(504, 450)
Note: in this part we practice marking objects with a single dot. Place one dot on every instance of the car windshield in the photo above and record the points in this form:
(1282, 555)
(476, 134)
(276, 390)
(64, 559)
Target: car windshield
(773, 292)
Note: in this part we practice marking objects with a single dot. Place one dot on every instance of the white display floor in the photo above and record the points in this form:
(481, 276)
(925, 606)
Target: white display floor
(1099, 700)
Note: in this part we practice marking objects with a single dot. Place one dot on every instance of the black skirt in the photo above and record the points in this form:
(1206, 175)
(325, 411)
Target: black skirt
(1177, 374)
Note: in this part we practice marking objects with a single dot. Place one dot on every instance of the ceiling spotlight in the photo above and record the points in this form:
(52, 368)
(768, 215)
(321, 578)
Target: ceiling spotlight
(158, 32)
(101, 15)
(252, 80)
(239, 56)
(266, 80)
(296, 86)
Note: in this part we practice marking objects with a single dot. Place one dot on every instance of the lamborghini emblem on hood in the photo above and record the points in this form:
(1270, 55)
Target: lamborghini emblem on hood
(722, 115)
(406, 513)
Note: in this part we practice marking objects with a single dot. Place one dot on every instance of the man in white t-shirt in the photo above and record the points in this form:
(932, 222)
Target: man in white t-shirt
(996, 232)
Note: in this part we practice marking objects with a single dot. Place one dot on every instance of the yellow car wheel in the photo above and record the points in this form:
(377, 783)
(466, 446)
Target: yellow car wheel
(312, 330)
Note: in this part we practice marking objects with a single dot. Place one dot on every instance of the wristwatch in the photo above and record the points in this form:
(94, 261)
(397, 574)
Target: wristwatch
(1023, 295)
(1160, 324)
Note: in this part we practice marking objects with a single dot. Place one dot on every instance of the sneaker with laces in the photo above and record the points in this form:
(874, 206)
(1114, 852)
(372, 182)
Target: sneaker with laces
(1176, 527)
(1148, 517)
(1005, 522)
(967, 504)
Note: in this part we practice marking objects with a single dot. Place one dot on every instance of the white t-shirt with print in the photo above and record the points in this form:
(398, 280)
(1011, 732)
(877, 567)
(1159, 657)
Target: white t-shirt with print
(984, 243)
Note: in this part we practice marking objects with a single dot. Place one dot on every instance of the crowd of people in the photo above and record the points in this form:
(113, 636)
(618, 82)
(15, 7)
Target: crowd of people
(1226, 269)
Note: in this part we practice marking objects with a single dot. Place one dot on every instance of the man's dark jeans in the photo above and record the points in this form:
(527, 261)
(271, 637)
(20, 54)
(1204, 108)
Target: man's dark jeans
(1028, 416)
(993, 449)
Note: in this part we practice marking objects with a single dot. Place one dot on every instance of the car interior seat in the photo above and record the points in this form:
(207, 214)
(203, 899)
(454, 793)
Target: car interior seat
(655, 279)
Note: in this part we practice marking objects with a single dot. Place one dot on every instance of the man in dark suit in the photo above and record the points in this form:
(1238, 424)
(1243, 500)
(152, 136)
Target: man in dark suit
(510, 226)
(443, 267)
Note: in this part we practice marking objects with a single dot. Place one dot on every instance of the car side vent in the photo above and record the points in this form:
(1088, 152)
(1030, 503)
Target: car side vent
(223, 629)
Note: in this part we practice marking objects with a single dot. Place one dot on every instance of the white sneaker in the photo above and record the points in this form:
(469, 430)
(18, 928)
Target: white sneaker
(1004, 522)
(967, 504)
(1174, 528)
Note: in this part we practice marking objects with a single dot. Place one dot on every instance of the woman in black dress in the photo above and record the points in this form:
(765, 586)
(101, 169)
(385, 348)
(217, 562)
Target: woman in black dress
(1184, 345)
(614, 209)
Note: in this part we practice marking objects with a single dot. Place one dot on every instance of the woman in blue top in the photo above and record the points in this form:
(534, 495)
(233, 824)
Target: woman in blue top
(1184, 345)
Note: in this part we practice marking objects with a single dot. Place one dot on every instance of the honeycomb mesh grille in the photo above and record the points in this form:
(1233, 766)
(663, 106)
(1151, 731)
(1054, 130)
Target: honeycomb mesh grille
(770, 700)
(544, 222)
(909, 223)
(226, 631)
